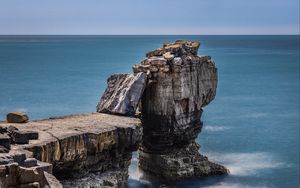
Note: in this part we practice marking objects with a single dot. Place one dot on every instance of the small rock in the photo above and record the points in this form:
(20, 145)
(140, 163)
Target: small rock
(29, 162)
(168, 56)
(16, 117)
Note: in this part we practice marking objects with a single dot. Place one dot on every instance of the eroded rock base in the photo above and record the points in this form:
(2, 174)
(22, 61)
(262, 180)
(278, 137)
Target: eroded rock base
(113, 179)
(183, 163)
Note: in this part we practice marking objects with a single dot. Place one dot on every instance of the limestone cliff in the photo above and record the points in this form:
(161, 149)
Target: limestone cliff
(78, 144)
(180, 84)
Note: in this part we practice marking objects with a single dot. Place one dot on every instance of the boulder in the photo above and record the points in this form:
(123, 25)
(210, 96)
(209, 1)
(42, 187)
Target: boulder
(16, 117)
(29, 162)
(122, 94)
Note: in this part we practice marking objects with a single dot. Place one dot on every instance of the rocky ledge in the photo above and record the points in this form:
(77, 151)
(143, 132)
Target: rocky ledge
(71, 146)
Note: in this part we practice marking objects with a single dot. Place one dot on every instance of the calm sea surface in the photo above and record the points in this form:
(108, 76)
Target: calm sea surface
(252, 127)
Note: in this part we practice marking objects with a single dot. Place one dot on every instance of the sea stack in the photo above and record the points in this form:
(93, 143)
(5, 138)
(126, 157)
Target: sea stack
(180, 84)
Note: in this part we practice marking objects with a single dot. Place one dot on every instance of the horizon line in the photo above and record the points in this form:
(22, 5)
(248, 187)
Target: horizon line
(149, 34)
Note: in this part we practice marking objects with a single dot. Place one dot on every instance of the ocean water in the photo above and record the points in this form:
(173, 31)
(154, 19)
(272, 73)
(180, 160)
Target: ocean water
(252, 126)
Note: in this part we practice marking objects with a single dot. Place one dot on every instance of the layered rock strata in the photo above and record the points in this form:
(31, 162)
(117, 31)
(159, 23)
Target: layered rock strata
(180, 84)
(78, 144)
(122, 94)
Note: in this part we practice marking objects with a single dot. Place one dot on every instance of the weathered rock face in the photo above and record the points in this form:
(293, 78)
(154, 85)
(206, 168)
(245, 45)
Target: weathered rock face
(122, 94)
(180, 84)
(78, 144)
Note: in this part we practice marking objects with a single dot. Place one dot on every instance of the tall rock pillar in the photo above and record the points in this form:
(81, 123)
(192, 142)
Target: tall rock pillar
(179, 84)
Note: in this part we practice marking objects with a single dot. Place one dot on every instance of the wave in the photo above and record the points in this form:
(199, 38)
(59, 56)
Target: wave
(239, 165)
(135, 173)
(254, 115)
(247, 164)
(210, 128)
(233, 185)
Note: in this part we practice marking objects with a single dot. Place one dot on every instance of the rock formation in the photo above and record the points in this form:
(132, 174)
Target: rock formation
(16, 117)
(76, 145)
(180, 84)
(122, 94)
(170, 87)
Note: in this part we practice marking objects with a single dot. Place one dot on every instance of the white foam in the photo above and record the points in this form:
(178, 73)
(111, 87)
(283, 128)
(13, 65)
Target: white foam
(137, 174)
(209, 128)
(254, 115)
(246, 164)
(233, 185)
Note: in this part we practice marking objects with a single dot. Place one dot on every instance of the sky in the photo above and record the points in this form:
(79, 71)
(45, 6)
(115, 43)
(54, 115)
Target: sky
(152, 17)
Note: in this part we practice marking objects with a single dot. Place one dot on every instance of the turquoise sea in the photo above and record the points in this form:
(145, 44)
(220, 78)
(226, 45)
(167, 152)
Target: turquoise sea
(252, 127)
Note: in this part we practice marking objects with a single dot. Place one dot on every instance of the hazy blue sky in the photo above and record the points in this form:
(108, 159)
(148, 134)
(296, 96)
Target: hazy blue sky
(149, 16)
